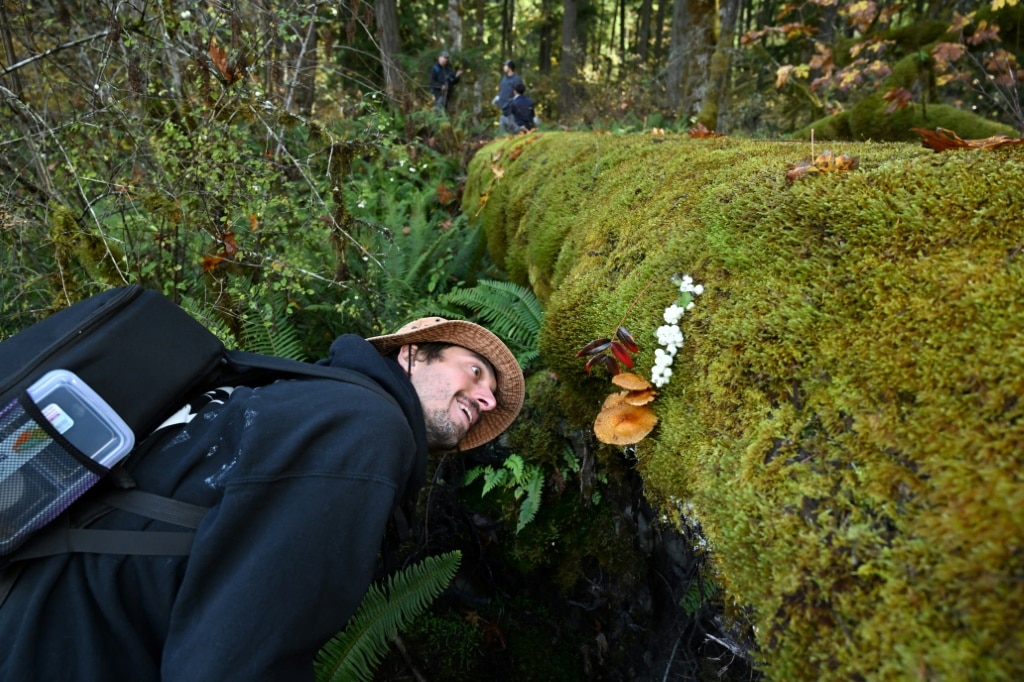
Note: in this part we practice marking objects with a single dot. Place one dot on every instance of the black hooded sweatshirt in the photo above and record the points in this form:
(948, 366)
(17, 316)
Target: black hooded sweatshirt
(301, 477)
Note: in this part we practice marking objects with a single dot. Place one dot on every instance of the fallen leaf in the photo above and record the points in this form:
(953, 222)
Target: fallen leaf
(700, 131)
(943, 139)
(498, 171)
(445, 195)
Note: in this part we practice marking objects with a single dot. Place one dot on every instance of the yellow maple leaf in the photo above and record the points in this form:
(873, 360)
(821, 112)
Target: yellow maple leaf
(498, 171)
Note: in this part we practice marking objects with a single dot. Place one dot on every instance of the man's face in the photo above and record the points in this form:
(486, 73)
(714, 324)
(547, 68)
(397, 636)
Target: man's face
(442, 60)
(453, 390)
(508, 71)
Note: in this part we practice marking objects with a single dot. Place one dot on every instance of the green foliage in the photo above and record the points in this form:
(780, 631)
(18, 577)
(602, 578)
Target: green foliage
(844, 422)
(453, 641)
(509, 310)
(354, 653)
(525, 482)
(698, 593)
(272, 333)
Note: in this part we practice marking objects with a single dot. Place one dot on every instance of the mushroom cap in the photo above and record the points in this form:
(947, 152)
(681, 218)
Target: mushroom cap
(639, 397)
(631, 382)
(624, 424)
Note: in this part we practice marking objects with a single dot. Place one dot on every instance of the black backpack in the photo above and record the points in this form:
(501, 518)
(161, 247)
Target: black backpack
(143, 357)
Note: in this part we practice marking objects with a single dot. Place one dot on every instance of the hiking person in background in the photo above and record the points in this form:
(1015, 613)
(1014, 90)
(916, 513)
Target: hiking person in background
(300, 477)
(521, 110)
(442, 78)
(506, 91)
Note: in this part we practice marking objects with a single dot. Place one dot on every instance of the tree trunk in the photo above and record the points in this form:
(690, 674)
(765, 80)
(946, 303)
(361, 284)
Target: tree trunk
(676, 55)
(643, 38)
(390, 47)
(567, 65)
(713, 110)
(659, 33)
(690, 50)
(454, 26)
(546, 32)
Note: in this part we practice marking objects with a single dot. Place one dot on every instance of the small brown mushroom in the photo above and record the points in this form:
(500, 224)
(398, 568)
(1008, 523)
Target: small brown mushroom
(614, 400)
(640, 397)
(624, 424)
(631, 382)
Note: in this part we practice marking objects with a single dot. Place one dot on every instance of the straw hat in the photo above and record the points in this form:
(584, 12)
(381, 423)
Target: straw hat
(511, 386)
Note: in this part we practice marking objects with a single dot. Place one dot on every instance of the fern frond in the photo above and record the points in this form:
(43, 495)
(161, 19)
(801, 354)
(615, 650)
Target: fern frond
(533, 486)
(472, 475)
(511, 311)
(515, 464)
(494, 478)
(272, 333)
(353, 654)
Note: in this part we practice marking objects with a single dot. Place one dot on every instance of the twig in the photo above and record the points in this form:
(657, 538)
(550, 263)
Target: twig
(400, 645)
(52, 50)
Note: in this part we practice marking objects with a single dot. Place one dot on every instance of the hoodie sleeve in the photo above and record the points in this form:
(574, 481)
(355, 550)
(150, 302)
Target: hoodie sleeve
(281, 563)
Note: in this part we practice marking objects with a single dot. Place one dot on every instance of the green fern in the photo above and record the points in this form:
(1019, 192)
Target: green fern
(531, 488)
(272, 332)
(510, 311)
(524, 481)
(353, 654)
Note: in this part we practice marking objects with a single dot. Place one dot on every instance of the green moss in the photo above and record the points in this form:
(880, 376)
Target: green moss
(845, 419)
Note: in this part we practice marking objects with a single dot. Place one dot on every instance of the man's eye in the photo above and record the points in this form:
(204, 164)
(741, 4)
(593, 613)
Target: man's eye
(475, 370)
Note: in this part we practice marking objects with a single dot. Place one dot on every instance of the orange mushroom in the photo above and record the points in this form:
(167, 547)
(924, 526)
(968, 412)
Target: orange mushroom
(624, 424)
(639, 397)
(631, 382)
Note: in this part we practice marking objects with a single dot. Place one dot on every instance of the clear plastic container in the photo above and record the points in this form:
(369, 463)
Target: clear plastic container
(55, 443)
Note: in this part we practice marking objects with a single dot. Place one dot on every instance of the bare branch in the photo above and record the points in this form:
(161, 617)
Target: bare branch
(53, 50)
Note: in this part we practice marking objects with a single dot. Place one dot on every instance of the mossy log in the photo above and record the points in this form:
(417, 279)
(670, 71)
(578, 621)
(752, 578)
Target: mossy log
(846, 417)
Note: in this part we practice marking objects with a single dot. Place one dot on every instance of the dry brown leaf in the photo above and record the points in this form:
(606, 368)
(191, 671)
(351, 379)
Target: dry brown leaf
(943, 139)
(700, 130)
(499, 171)
(220, 59)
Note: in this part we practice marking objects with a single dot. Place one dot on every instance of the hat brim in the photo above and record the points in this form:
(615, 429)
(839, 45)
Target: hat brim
(511, 387)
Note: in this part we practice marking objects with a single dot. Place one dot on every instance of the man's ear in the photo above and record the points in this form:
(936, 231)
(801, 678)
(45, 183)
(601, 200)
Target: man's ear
(407, 356)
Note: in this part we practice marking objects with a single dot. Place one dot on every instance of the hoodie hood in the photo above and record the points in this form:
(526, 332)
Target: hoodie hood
(353, 352)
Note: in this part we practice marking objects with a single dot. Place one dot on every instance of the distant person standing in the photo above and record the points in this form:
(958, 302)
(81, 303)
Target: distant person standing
(520, 109)
(506, 91)
(442, 78)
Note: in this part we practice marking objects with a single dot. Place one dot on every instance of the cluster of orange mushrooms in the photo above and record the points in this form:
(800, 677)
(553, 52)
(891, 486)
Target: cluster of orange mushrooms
(625, 417)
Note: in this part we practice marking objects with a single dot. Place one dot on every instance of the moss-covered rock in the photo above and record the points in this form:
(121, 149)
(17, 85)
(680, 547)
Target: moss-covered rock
(868, 120)
(845, 419)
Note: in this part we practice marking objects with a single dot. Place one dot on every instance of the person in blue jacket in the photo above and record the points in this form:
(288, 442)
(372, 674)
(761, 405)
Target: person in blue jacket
(521, 111)
(301, 477)
(506, 91)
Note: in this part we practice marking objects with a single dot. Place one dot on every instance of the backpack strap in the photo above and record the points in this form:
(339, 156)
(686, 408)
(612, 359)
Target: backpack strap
(61, 538)
(244, 361)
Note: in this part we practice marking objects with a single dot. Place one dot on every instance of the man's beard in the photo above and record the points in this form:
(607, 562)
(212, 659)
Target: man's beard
(442, 432)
